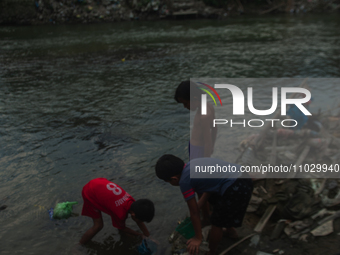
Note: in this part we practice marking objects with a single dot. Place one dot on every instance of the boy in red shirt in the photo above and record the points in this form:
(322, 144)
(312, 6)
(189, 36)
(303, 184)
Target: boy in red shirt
(101, 195)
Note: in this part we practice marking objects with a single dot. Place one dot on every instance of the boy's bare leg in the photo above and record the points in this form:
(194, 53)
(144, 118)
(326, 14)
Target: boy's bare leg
(215, 238)
(230, 232)
(206, 214)
(89, 234)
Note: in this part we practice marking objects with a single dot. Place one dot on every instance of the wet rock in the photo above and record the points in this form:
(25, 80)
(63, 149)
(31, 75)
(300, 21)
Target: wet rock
(324, 229)
(3, 207)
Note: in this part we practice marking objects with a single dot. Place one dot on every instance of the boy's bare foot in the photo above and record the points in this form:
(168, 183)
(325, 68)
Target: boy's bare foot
(230, 232)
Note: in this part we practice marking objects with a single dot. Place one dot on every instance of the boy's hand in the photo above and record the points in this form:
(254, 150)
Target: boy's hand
(193, 245)
(195, 242)
(141, 226)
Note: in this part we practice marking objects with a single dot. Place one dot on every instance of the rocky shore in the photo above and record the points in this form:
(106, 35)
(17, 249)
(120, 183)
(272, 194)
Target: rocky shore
(31, 12)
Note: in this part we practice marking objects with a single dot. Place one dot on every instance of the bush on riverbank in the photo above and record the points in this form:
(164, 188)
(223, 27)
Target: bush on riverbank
(17, 11)
(226, 3)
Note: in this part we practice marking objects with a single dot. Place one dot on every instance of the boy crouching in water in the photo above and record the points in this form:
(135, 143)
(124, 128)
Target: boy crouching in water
(101, 195)
(229, 196)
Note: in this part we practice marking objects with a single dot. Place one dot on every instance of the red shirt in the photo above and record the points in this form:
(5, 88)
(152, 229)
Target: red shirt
(101, 195)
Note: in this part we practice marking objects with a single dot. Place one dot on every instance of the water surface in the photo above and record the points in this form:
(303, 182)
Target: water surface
(71, 111)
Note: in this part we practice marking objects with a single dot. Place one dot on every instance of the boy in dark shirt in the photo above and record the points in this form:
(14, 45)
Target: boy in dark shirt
(101, 195)
(203, 134)
(229, 195)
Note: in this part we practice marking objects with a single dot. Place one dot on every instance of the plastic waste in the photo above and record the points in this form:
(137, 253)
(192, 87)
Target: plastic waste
(186, 228)
(289, 133)
(143, 248)
(332, 184)
(314, 134)
(324, 229)
(263, 253)
(329, 202)
(147, 247)
(179, 246)
(254, 241)
(50, 213)
(320, 143)
(295, 113)
(174, 235)
(63, 210)
(285, 132)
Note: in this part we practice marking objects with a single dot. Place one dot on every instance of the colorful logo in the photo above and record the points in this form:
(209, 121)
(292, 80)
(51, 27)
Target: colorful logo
(213, 90)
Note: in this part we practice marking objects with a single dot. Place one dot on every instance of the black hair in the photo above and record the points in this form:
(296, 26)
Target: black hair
(168, 166)
(144, 209)
(183, 90)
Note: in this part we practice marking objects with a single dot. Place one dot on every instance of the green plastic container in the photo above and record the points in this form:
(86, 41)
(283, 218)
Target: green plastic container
(63, 210)
(186, 229)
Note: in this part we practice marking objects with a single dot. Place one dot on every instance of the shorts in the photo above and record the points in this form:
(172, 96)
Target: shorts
(229, 209)
(88, 208)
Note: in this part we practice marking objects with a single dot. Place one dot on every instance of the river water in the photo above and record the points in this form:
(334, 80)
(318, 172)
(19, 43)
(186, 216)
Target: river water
(71, 110)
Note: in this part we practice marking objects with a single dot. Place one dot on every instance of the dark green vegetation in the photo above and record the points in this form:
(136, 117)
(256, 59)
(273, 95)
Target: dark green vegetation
(17, 11)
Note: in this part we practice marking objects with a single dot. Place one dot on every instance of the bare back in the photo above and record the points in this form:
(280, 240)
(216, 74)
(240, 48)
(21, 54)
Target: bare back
(202, 126)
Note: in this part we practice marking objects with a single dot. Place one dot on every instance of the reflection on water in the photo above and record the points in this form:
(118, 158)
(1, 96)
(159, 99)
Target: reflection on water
(71, 111)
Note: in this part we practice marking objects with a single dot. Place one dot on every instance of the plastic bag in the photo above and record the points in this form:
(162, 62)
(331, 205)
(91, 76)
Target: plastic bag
(63, 210)
(147, 247)
(186, 228)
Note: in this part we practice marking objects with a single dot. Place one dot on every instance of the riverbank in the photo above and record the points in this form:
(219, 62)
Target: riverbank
(30, 12)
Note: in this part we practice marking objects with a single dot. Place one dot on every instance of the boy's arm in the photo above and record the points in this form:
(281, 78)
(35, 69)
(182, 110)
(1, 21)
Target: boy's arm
(131, 231)
(195, 242)
(144, 229)
(213, 130)
(207, 137)
(141, 226)
(213, 136)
